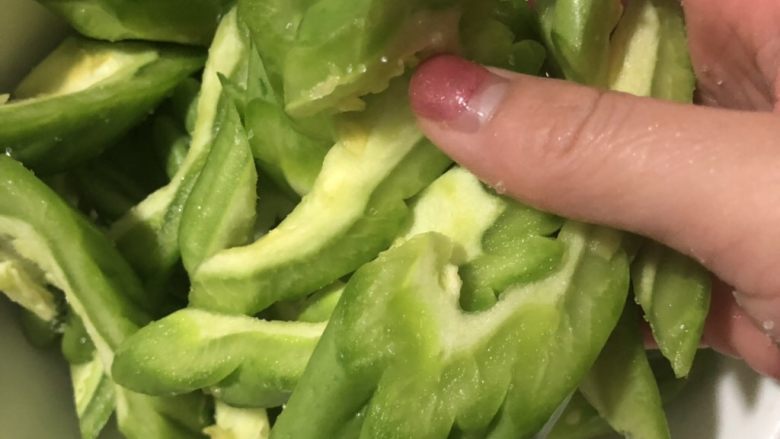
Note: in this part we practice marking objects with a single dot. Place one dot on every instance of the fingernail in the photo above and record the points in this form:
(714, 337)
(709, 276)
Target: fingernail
(763, 311)
(455, 92)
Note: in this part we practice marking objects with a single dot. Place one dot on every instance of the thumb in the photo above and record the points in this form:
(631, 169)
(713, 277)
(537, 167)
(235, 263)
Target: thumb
(698, 179)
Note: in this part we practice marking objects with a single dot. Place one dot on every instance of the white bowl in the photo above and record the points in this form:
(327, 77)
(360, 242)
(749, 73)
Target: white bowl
(728, 402)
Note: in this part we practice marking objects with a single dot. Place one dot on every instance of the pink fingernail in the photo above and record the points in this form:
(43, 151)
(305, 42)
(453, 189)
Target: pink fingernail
(763, 310)
(450, 90)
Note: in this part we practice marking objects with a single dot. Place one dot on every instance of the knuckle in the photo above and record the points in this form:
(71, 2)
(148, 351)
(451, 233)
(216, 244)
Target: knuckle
(578, 144)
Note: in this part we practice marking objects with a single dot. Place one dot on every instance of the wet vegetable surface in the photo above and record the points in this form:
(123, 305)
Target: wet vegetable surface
(258, 241)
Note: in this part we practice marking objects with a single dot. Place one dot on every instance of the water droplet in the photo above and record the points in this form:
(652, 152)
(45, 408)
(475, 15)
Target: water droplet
(384, 60)
(768, 325)
(500, 187)
(9, 151)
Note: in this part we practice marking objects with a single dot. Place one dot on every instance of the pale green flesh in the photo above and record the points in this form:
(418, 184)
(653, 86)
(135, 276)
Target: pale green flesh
(622, 387)
(635, 50)
(239, 423)
(86, 379)
(474, 327)
(76, 66)
(152, 210)
(458, 206)
(23, 282)
(424, 30)
(31, 246)
(93, 395)
(239, 360)
(356, 165)
(214, 326)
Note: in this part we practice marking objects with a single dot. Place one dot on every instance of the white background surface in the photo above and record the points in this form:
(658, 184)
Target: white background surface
(727, 402)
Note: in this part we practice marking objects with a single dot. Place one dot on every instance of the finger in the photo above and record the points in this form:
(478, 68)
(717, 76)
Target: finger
(701, 180)
(735, 51)
(730, 331)
(648, 339)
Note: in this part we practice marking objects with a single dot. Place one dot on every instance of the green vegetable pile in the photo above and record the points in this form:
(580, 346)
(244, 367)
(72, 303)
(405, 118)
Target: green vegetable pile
(257, 241)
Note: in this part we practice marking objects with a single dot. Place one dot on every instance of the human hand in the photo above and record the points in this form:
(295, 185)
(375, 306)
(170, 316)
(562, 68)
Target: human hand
(702, 180)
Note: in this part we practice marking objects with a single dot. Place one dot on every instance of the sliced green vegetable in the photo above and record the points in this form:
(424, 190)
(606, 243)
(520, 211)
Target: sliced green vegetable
(99, 91)
(220, 211)
(439, 208)
(495, 33)
(148, 235)
(478, 319)
(674, 79)
(579, 421)
(289, 151)
(290, 156)
(503, 242)
(577, 35)
(94, 396)
(239, 423)
(143, 417)
(353, 212)
(24, 283)
(98, 285)
(74, 256)
(621, 384)
(325, 54)
(401, 355)
(125, 174)
(240, 360)
(517, 249)
(650, 54)
(635, 49)
(674, 292)
(650, 58)
(77, 347)
(318, 307)
(178, 21)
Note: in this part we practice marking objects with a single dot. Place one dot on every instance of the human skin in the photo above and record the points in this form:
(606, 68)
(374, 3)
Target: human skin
(701, 179)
